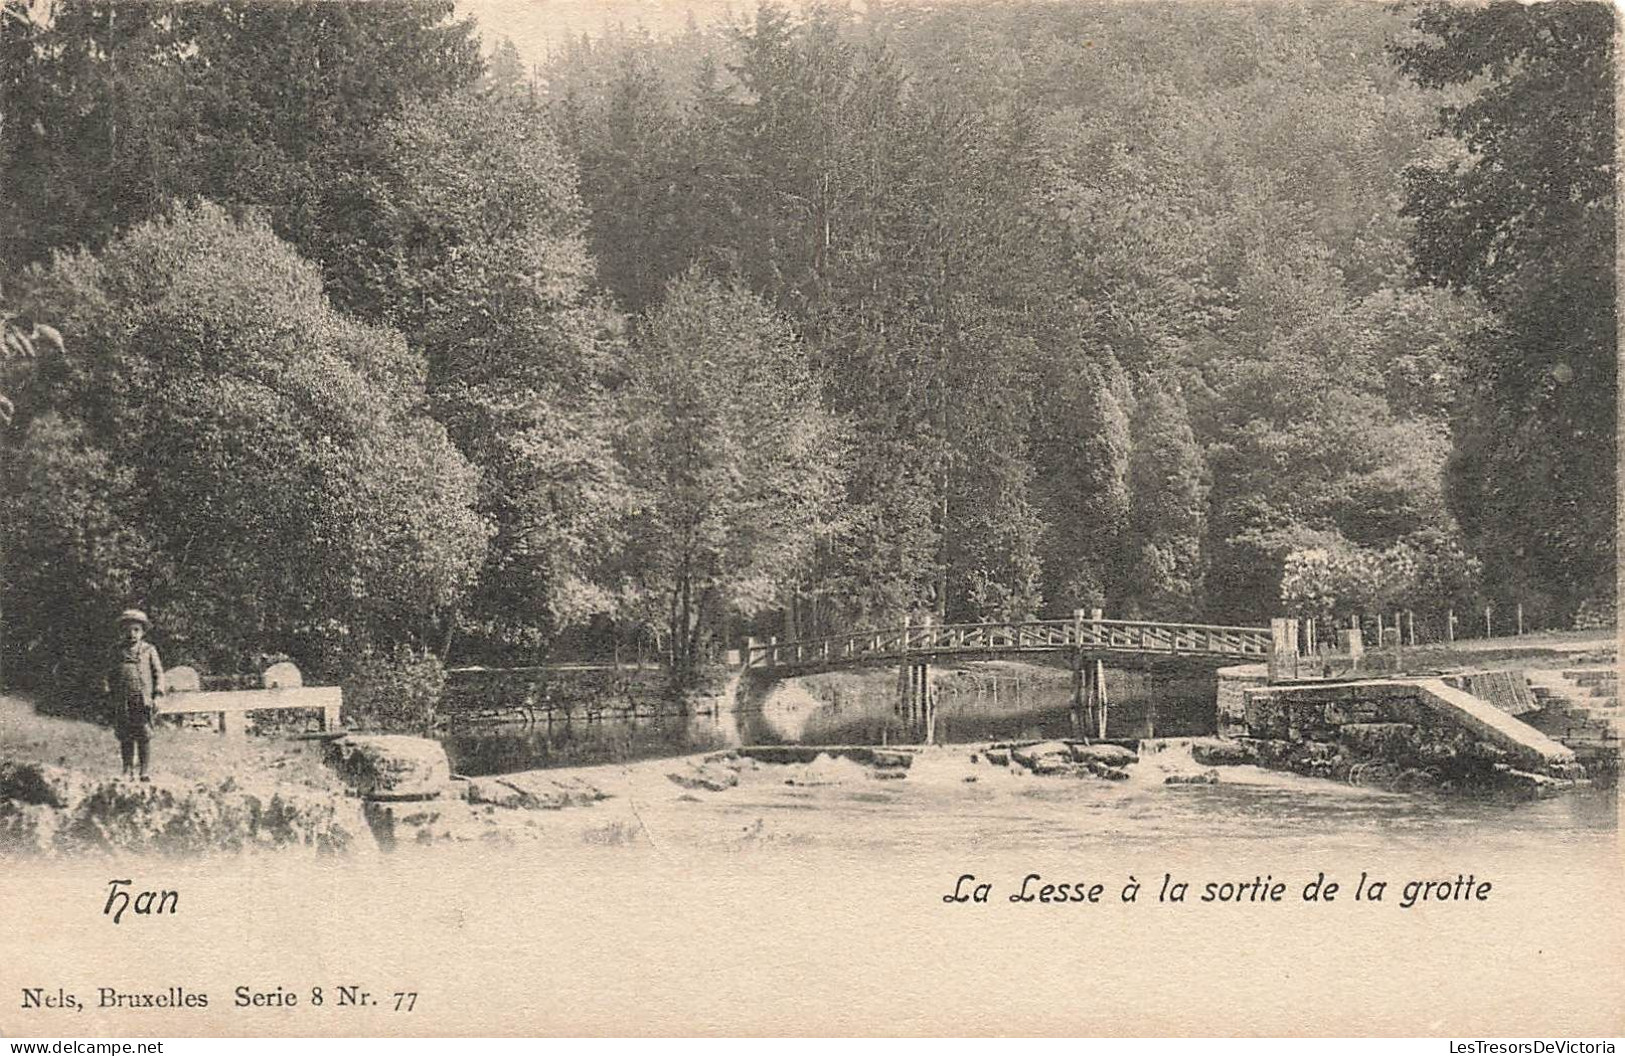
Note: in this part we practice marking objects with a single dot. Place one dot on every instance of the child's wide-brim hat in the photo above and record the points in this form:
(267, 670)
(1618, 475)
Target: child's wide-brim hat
(133, 616)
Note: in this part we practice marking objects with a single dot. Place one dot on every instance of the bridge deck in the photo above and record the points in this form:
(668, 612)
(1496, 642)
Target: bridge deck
(1085, 637)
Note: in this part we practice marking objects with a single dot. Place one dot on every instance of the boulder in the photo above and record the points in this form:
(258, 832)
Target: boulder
(390, 766)
(1206, 777)
(1222, 753)
(1046, 753)
(398, 824)
(827, 770)
(1110, 773)
(541, 791)
(997, 756)
(1107, 754)
(493, 791)
(712, 777)
(893, 760)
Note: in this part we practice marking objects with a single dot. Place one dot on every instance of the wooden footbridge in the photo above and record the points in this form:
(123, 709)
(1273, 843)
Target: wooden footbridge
(1087, 641)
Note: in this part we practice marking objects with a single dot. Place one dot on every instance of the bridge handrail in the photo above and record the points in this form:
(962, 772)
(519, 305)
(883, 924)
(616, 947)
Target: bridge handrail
(903, 638)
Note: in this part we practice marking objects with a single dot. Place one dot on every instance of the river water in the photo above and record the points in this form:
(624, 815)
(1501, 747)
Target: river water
(987, 702)
(1246, 804)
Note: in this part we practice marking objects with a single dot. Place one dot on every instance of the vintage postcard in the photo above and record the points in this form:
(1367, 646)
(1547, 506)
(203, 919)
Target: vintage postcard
(656, 517)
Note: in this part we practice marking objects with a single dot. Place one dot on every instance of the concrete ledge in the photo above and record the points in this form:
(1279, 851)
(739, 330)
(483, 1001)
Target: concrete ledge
(1491, 723)
(211, 701)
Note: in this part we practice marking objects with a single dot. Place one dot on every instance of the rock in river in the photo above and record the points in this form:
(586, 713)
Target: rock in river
(1222, 753)
(1105, 754)
(1043, 756)
(712, 777)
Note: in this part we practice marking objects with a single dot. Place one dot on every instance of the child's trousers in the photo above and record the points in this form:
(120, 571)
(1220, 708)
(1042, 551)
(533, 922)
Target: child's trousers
(135, 735)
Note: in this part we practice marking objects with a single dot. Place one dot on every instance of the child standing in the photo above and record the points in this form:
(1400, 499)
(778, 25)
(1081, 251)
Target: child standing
(134, 683)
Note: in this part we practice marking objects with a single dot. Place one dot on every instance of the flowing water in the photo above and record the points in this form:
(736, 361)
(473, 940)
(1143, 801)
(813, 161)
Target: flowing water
(1020, 702)
(984, 702)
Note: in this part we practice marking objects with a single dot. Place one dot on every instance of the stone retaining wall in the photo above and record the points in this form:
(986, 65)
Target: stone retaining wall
(1232, 698)
(1397, 734)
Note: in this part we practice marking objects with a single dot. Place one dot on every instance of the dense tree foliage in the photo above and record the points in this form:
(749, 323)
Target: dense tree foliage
(227, 450)
(113, 109)
(1004, 229)
(474, 248)
(810, 320)
(1523, 215)
(733, 463)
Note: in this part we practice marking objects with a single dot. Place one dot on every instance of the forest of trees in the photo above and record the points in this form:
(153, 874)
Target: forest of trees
(812, 321)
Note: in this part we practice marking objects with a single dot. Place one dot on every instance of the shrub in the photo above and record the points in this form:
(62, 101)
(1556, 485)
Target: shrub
(397, 690)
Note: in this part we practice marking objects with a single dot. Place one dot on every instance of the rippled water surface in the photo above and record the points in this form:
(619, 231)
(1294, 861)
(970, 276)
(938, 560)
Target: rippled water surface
(948, 801)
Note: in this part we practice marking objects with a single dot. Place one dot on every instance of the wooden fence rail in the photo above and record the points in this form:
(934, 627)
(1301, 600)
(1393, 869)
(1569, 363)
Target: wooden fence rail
(936, 640)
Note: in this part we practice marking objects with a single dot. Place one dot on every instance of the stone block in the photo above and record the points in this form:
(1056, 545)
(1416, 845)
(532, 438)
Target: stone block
(495, 792)
(182, 679)
(1391, 740)
(1206, 777)
(711, 777)
(1222, 753)
(545, 792)
(1107, 754)
(282, 676)
(390, 766)
(1265, 715)
(1043, 753)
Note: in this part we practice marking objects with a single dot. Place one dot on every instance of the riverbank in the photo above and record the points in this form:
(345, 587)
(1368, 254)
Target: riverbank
(60, 796)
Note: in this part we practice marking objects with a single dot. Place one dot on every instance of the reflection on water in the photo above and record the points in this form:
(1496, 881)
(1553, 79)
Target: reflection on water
(1005, 808)
(507, 747)
(1246, 804)
(990, 703)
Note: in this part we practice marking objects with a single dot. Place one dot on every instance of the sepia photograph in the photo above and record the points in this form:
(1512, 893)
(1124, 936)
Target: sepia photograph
(753, 517)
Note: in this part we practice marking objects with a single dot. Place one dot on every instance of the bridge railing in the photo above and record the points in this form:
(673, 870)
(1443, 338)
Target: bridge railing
(1027, 636)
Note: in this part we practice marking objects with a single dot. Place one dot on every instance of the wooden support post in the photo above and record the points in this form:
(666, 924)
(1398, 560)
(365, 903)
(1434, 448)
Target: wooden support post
(1077, 692)
(330, 718)
(1103, 704)
(1087, 699)
(1283, 659)
(1450, 625)
(1489, 631)
(1520, 619)
(928, 701)
(1410, 626)
(902, 671)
